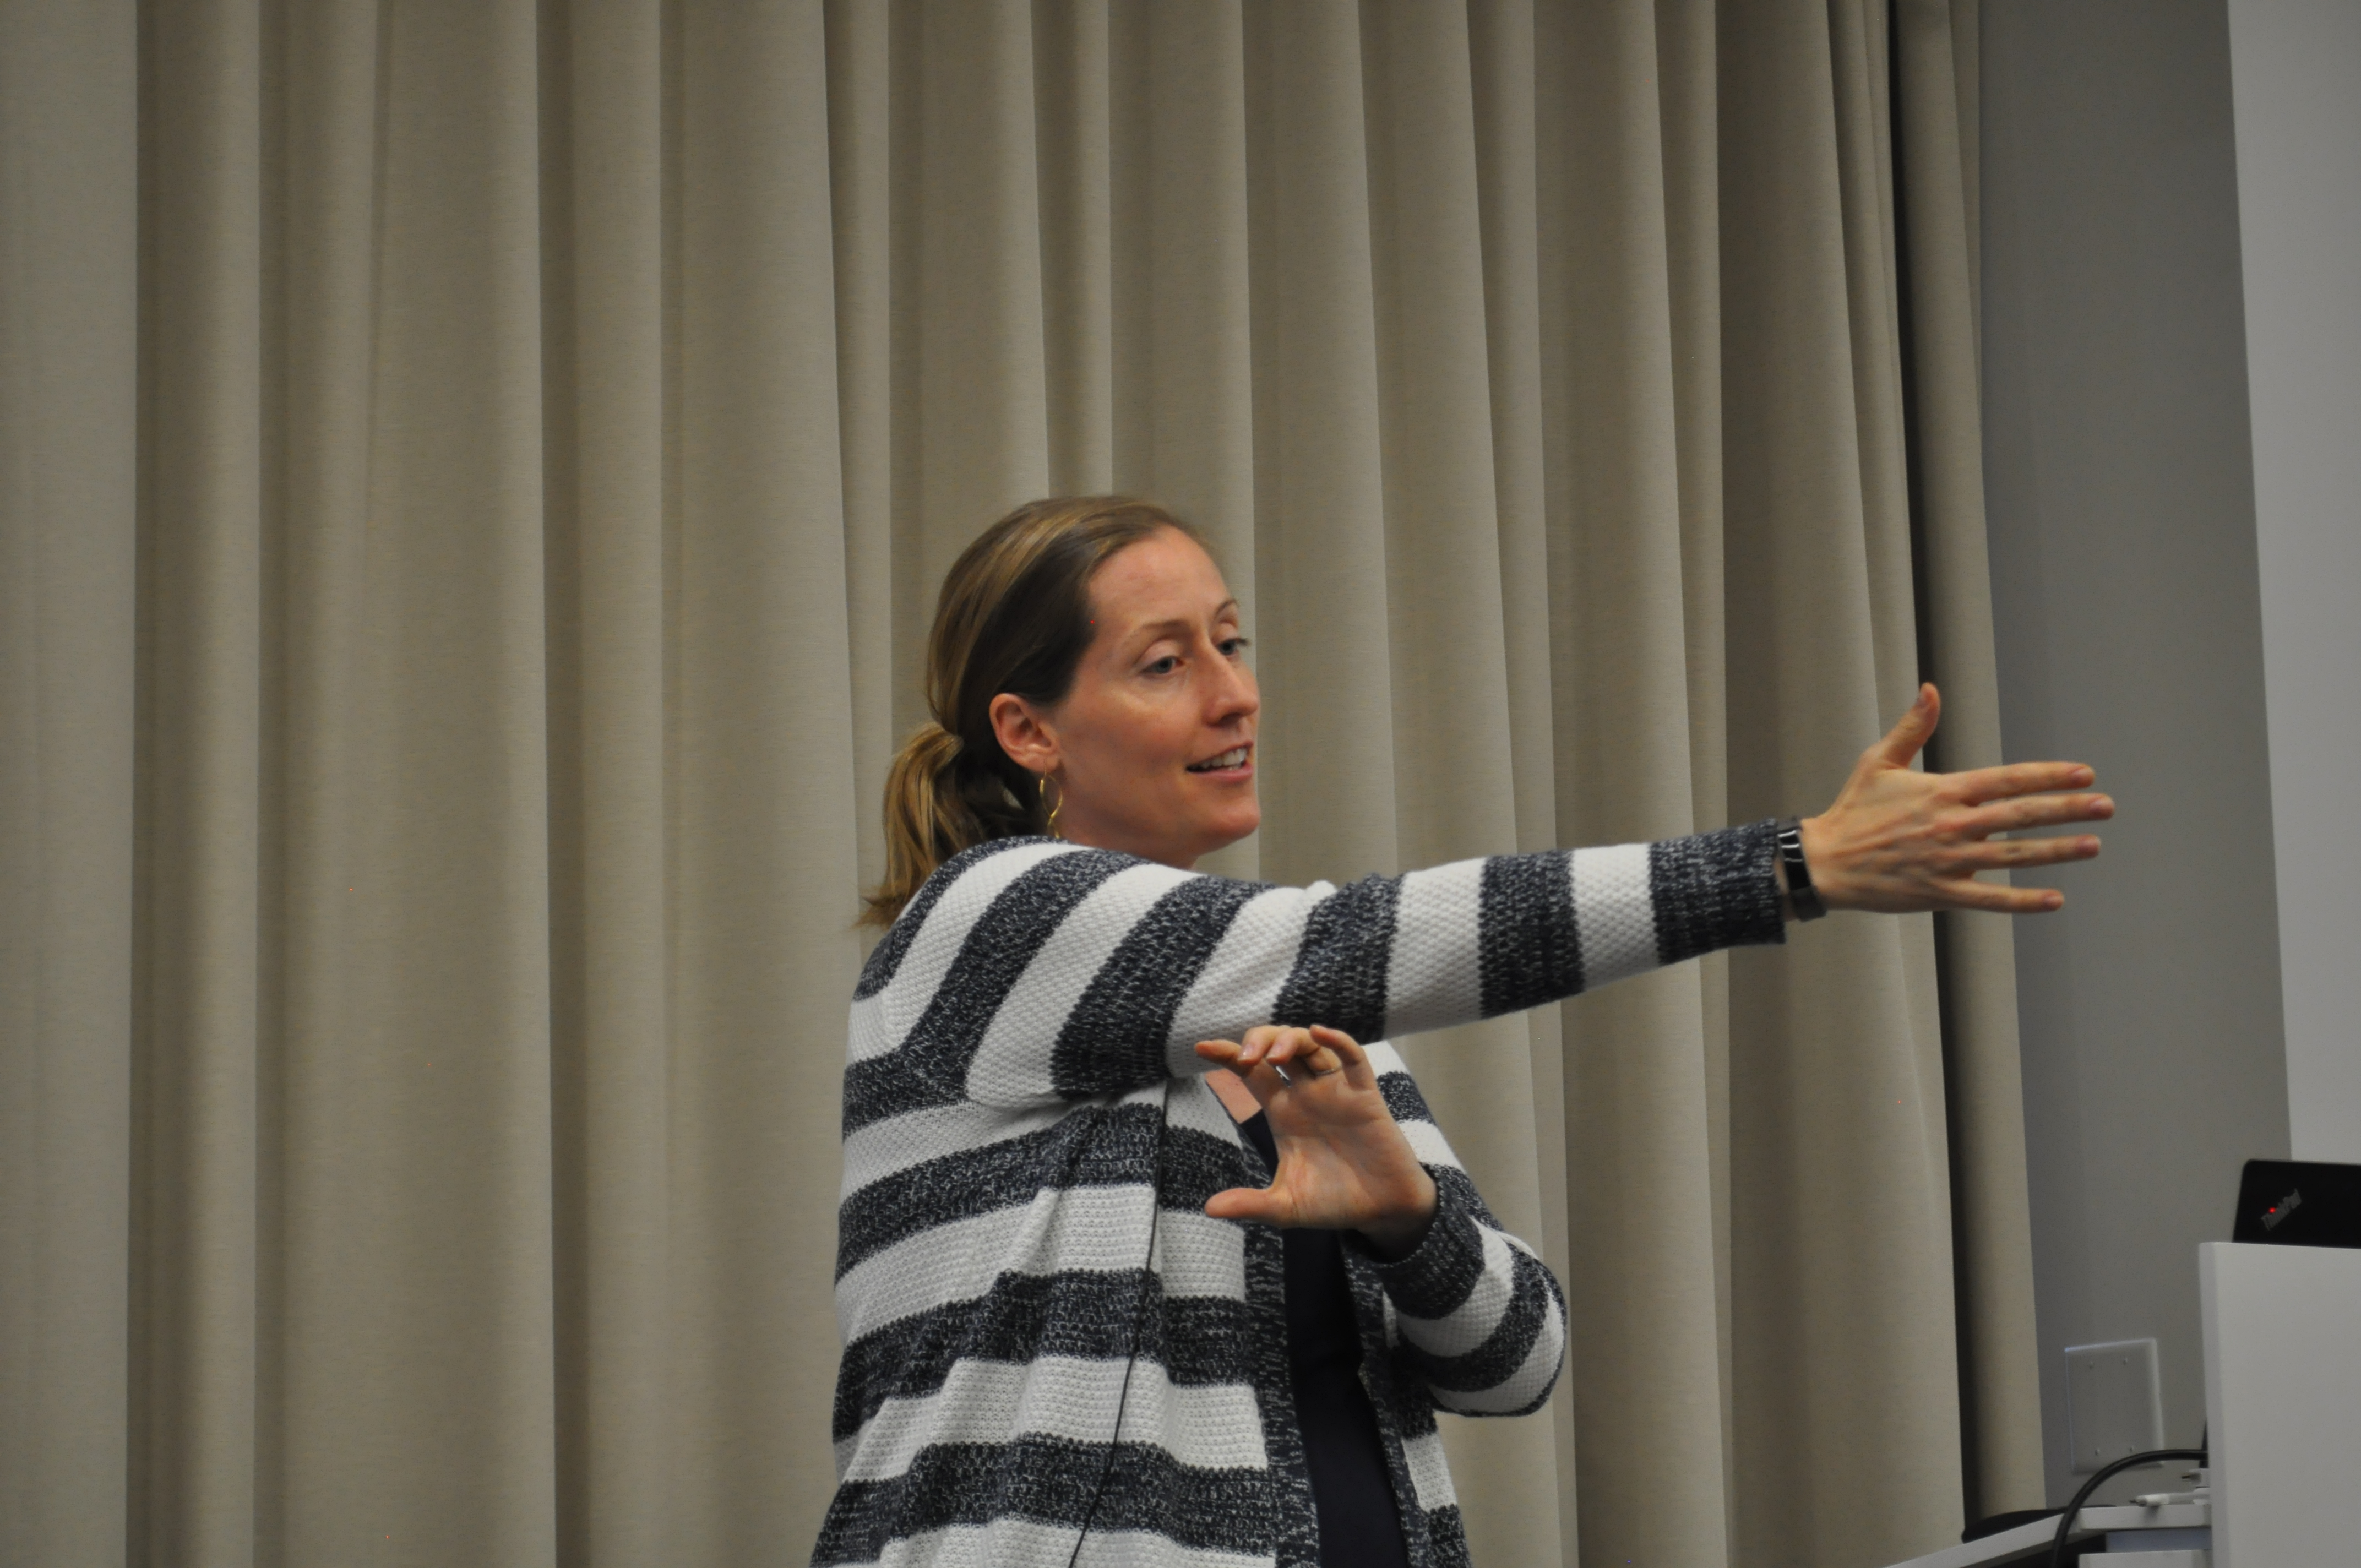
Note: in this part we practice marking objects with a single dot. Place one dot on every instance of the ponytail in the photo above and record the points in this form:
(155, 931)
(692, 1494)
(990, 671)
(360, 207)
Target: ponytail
(1014, 617)
(932, 798)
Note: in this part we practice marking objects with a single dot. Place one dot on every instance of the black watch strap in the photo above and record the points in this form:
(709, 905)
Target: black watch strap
(1801, 896)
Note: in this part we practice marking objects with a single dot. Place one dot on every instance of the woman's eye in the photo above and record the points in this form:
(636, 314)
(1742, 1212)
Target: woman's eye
(1164, 666)
(1232, 646)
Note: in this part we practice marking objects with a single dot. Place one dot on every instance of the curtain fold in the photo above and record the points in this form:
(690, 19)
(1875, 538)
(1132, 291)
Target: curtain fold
(477, 477)
(1933, 60)
(69, 541)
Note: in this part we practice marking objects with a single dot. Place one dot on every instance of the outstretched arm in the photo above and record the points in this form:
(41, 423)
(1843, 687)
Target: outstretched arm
(1030, 970)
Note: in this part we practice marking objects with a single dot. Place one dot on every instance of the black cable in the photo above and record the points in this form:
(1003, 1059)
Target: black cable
(2129, 1461)
(1138, 1313)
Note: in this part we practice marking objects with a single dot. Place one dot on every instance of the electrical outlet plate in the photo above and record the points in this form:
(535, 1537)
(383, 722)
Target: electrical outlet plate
(2114, 1402)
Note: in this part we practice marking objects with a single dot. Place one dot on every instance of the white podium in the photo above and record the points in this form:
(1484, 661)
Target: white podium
(2283, 1423)
(2282, 1402)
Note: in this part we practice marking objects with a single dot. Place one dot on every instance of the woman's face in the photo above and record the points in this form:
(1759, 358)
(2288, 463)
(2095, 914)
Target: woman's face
(1152, 752)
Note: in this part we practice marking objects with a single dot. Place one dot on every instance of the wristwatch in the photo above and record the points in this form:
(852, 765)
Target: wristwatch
(1801, 897)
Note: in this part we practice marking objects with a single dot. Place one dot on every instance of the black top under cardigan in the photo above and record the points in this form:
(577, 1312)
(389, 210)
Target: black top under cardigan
(1359, 1525)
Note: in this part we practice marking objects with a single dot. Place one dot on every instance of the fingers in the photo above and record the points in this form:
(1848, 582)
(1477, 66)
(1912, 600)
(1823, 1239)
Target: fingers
(1349, 1055)
(1309, 1051)
(1261, 1062)
(1909, 734)
(1221, 1053)
(1247, 1203)
(1967, 894)
(1249, 1060)
(2009, 854)
(1261, 1080)
(1336, 1040)
(1980, 784)
(1259, 1040)
(2039, 811)
(1275, 1058)
(1293, 1046)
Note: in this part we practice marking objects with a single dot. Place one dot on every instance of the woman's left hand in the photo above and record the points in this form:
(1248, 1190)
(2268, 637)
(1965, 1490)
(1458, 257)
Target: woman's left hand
(1344, 1163)
(1898, 841)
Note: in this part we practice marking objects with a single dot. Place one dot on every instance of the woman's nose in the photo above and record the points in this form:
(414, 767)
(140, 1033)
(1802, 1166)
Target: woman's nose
(1237, 696)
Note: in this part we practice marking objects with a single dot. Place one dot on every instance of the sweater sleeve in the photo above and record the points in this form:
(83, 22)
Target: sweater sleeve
(1476, 1316)
(1028, 971)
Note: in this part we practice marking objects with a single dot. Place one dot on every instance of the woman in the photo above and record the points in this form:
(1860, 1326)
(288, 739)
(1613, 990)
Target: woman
(1145, 1256)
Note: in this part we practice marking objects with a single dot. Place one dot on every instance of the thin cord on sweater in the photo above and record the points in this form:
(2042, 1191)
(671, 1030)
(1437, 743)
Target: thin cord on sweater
(1138, 1312)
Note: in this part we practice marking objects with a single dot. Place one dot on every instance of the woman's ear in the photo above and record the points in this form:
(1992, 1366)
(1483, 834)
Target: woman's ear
(1024, 733)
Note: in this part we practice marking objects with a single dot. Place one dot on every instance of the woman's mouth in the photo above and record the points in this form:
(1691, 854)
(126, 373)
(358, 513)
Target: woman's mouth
(1228, 762)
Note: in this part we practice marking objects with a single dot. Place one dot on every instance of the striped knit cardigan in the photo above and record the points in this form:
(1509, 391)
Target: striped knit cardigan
(1024, 1261)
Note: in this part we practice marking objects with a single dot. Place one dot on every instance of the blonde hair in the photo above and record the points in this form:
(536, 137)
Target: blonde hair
(1014, 616)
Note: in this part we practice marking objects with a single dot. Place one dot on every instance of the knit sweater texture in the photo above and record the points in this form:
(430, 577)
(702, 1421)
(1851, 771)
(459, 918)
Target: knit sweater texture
(1043, 1330)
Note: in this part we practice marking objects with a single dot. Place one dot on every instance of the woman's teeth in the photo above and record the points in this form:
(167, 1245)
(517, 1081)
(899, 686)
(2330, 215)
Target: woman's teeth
(1235, 757)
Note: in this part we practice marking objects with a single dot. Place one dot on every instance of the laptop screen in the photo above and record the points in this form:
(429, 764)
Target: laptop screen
(2298, 1203)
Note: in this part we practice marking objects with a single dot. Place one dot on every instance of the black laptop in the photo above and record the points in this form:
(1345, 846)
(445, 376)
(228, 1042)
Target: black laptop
(2298, 1203)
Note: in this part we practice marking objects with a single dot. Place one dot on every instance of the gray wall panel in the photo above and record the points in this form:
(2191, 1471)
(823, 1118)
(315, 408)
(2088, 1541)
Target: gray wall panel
(2124, 591)
(2297, 65)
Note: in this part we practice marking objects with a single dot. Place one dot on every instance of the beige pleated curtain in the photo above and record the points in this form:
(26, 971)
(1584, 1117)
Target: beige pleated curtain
(476, 476)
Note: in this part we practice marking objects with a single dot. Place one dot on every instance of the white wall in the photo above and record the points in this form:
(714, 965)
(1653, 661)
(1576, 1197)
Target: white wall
(2296, 66)
(2129, 624)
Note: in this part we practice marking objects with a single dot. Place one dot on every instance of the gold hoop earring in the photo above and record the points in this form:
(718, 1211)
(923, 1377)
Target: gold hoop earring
(1050, 826)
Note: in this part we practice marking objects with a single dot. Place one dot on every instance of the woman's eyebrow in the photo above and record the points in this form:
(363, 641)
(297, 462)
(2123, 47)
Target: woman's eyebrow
(1151, 629)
